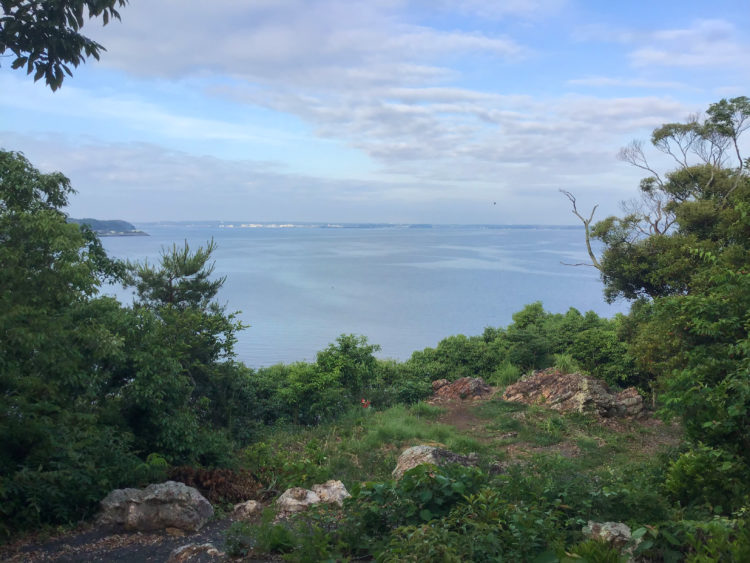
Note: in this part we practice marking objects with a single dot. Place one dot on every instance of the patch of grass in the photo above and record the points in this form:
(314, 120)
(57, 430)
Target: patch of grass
(505, 374)
(496, 407)
(425, 410)
(362, 445)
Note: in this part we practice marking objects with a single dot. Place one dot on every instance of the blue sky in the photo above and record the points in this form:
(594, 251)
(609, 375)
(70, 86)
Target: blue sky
(439, 111)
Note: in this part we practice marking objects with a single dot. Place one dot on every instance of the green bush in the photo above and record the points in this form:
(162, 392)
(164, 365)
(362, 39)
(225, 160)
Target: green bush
(705, 476)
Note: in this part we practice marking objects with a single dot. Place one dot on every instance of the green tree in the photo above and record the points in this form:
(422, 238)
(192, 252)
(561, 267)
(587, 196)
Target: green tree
(184, 383)
(651, 251)
(45, 35)
(351, 361)
(683, 253)
(61, 449)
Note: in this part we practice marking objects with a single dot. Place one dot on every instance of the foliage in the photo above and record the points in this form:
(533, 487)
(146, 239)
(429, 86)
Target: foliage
(685, 251)
(45, 36)
(705, 476)
(531, 342)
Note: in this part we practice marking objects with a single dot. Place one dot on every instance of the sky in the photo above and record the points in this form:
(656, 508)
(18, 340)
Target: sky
(421, 111)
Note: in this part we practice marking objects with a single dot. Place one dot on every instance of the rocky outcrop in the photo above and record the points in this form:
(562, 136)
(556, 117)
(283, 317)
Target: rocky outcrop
(418, 455)
(195, 553)
(573, 392)
(438, 383)
(157, 507)
(464, 388)
(246, 510)
(298, 499)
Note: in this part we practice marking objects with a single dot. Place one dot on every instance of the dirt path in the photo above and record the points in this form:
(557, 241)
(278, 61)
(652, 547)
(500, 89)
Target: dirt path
(105, 544)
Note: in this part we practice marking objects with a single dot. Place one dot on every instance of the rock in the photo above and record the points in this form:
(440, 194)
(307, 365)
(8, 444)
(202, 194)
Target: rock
(629, 402)
(331, 492)
(438, 383)
(298, 499)
(195, 553)
(166, 505)
(418, 455)
(246, 510)
(615, 533)
(464, 388)
(574, 392)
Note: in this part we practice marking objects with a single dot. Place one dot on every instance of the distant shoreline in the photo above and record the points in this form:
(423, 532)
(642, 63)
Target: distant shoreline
(110, 228)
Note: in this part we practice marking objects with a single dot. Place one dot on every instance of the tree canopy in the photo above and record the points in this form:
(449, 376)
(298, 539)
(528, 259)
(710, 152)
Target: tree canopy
(45, 36)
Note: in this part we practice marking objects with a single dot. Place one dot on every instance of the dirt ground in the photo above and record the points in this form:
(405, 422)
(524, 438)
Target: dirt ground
(95, 543)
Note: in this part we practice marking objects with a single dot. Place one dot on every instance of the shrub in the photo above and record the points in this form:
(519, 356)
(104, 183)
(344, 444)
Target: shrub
(505, 374)
(708, 476)
(564, 363)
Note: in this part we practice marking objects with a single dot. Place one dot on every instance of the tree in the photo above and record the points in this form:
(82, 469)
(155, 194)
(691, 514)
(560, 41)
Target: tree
(45, 36)
(178, 402)
(683, 254)
(61, 449)
(650, 251)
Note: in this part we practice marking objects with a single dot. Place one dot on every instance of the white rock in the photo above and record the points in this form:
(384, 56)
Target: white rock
(246, 510)
(331, 492)
(296, 499)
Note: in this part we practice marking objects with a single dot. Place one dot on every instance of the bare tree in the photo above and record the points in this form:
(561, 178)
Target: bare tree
(587, 226)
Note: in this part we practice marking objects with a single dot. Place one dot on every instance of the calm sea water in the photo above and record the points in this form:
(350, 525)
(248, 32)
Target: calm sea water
(403, 288)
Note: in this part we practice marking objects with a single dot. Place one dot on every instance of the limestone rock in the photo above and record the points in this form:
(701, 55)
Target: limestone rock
(298, 499)
(295, 500)
(464, 388)
(418, 455)
(246, 510)
(615, 533)
(574, 392)
(331, 492)
(158, 506)
(195, 553)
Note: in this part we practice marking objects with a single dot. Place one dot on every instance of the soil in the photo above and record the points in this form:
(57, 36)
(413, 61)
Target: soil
(97, 543)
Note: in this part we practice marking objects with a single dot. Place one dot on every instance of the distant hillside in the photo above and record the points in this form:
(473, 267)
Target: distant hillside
(113, 228)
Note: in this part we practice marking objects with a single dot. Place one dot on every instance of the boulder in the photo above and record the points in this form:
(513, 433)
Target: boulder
(195, 553)
(157, 507)
(331, 492)
(246, 510)
(574, 392)
(464, 388)
(418, 455)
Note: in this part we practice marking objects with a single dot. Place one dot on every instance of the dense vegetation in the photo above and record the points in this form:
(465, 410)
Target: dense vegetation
(96, 395)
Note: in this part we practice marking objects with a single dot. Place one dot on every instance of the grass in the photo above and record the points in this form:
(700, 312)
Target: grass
(363, 445)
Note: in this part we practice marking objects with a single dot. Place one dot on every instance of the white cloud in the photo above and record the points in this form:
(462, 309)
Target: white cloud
(303, 42)
(708, 43)
(646, 83)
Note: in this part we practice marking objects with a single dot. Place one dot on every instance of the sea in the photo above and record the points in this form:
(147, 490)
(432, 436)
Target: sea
(404, 287)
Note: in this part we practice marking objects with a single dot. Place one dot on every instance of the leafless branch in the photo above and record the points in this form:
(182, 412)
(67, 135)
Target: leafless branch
(586, 225)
